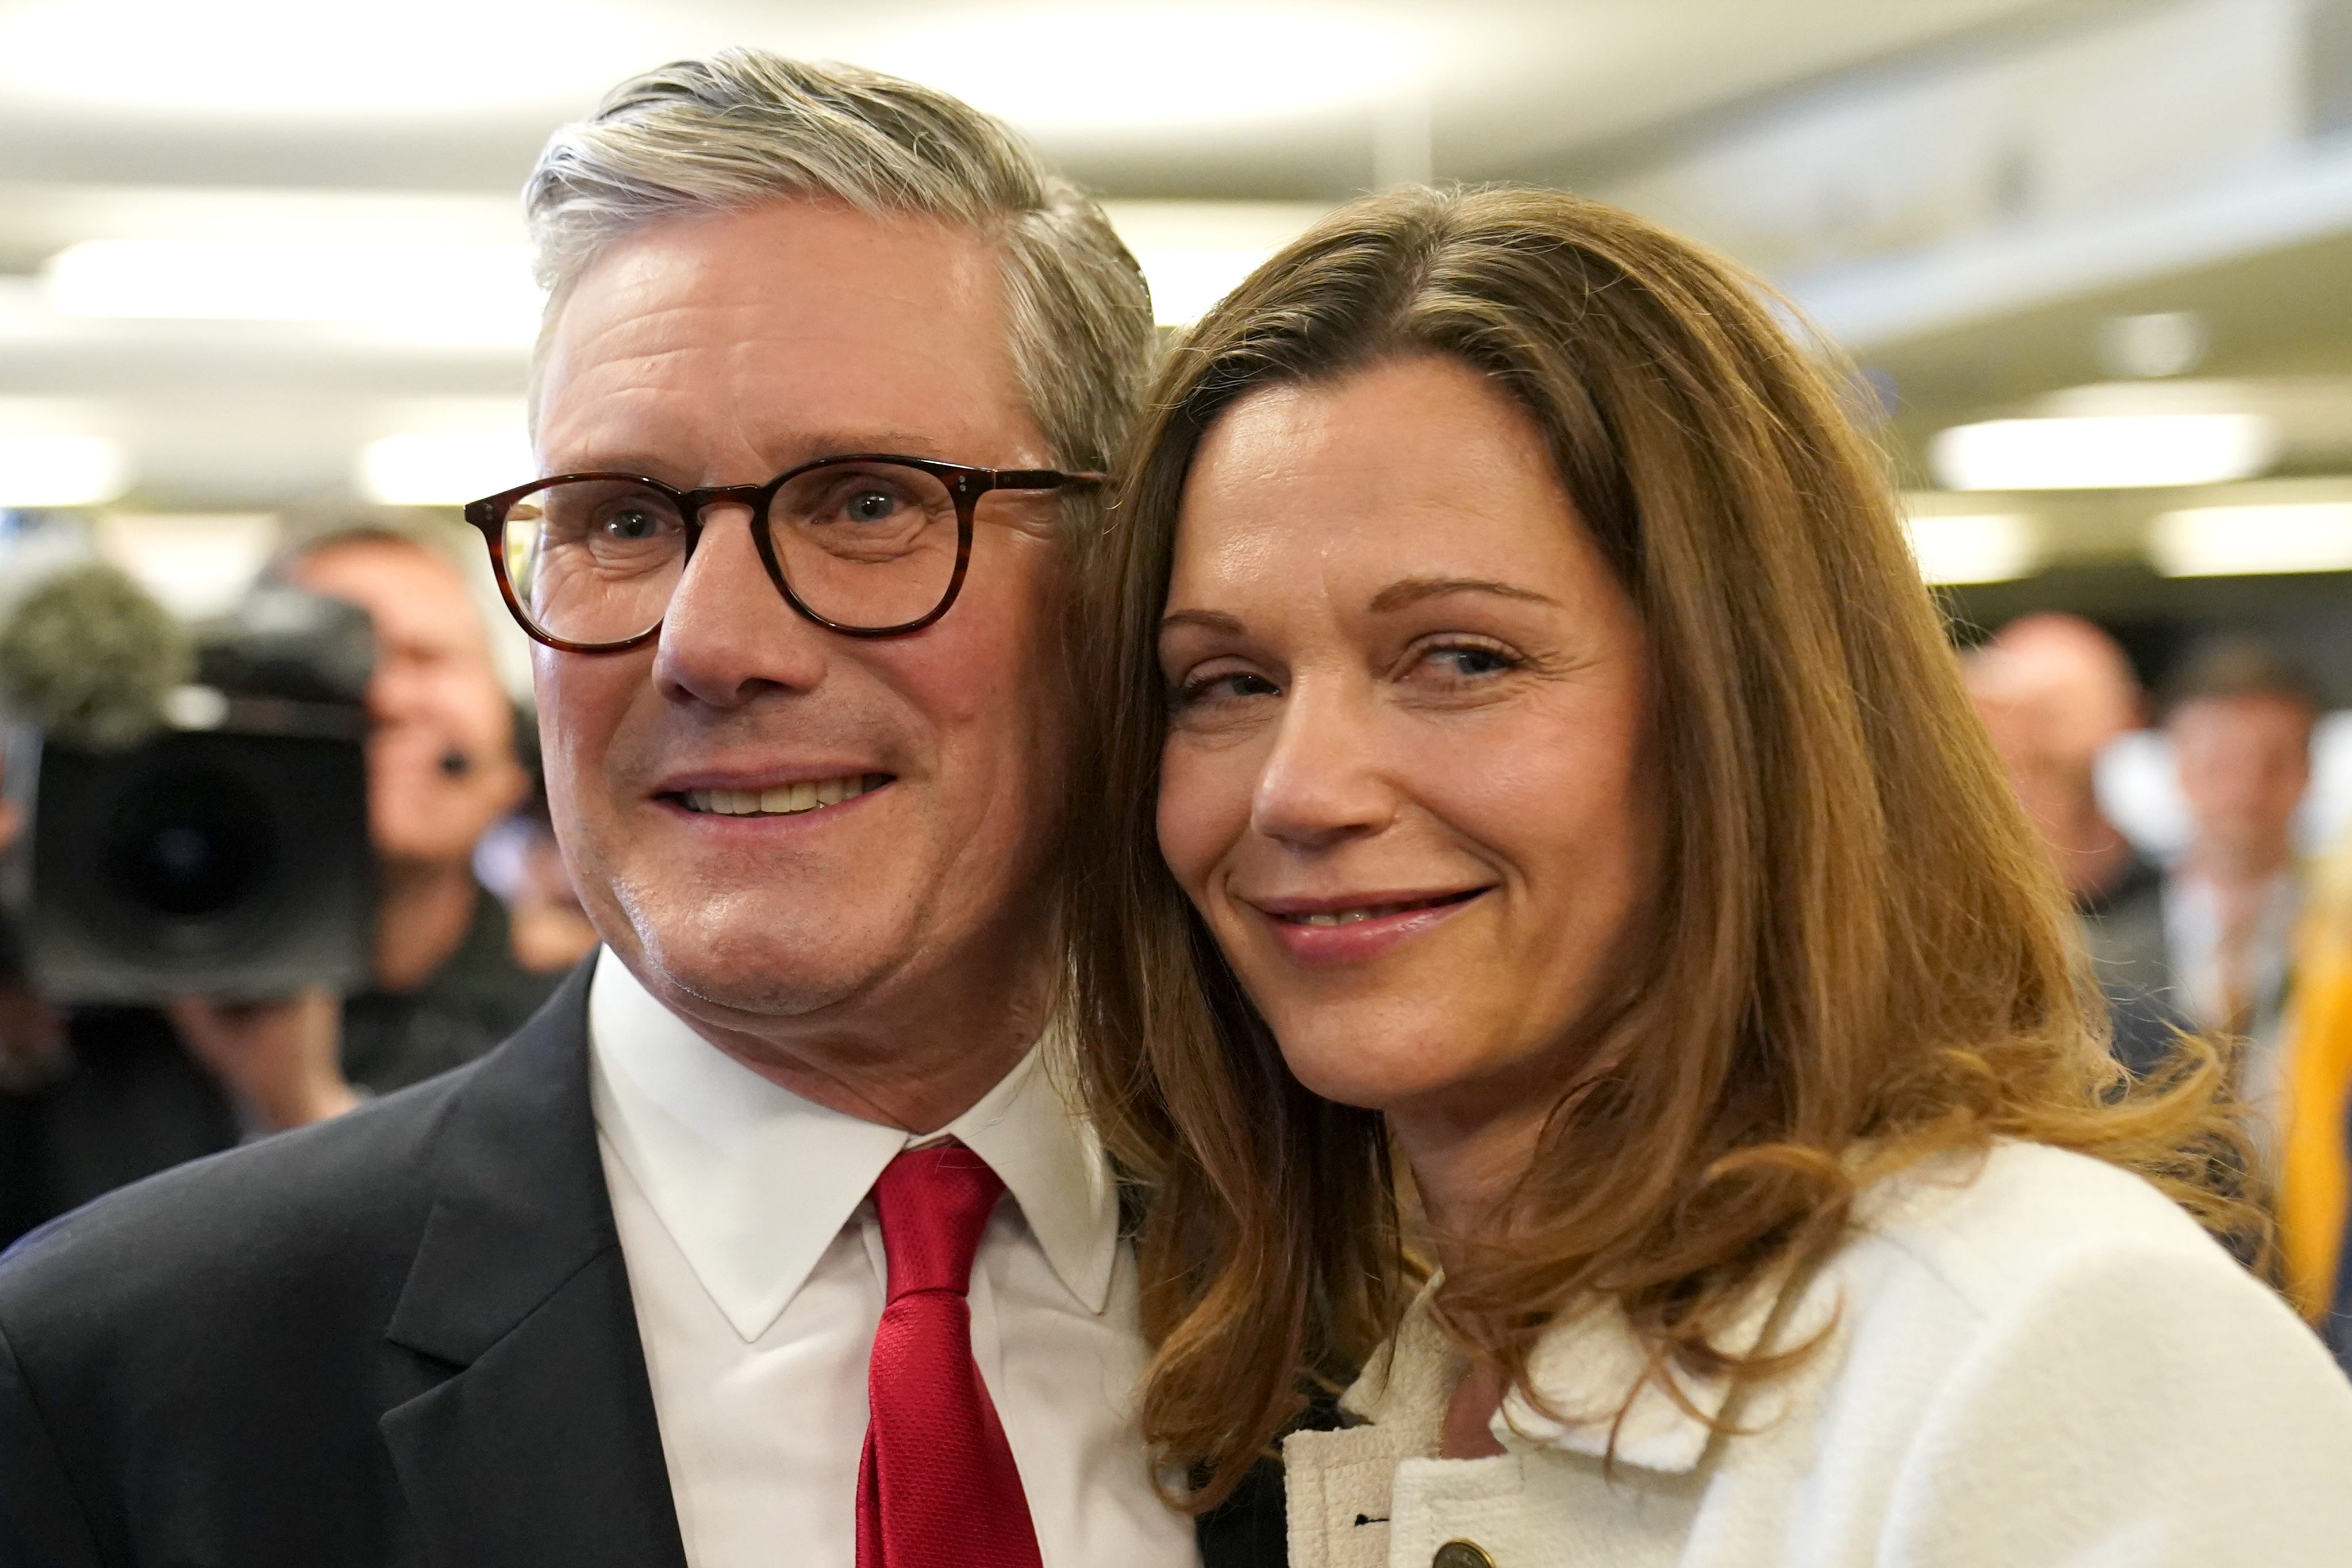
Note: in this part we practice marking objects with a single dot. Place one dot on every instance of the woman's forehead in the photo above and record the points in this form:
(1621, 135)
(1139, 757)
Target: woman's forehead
(1417, 470)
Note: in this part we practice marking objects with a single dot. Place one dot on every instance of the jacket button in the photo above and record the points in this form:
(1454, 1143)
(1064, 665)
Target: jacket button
(1461, 1554)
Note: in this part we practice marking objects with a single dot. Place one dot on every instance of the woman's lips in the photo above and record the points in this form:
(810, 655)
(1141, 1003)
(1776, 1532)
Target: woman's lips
(1323, 931)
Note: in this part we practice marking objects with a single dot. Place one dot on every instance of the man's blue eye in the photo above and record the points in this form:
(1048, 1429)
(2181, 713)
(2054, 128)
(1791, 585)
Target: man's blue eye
(632, 524)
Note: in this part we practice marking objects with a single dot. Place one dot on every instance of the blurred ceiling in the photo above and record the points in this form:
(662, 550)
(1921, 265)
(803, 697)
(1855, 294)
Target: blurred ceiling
(1224, 99)
(247, 241)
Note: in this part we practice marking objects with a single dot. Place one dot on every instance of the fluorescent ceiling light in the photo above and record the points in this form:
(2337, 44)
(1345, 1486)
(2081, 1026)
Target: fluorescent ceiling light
(2113, 452)
(443, 468)
(61, 470)
(2235, 541)
(1193, 253)
(1185, 283)
(1152, 65)
(1973, 548)
(196, 565)
(420, 292)
(265, 59)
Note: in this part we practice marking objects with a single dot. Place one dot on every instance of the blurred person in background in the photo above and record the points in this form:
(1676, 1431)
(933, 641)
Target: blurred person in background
(2261, 942)
(30, 1035)
(2238, 715)
(2275, 935)
(520, 862)
(442, 769)
(128, 1091)
(2054, 690)
(32, 1041)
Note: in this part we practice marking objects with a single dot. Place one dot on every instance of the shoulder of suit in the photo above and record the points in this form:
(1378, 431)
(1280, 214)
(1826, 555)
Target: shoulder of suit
(310, 1205)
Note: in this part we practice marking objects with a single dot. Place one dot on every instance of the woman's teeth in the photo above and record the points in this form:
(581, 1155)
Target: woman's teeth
(1368, 912)
(784, 800)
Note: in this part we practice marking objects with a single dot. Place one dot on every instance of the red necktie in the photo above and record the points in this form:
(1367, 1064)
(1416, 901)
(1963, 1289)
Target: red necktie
(937, 1487)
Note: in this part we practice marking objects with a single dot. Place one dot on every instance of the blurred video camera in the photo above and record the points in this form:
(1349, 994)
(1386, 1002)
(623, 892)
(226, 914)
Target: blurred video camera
(195, 805)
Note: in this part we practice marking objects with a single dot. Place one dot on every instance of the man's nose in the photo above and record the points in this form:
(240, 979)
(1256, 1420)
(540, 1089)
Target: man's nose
(1323, 782)
(728, 636)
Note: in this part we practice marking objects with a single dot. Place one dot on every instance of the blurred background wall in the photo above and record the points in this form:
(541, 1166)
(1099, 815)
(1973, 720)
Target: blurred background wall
(259, 261)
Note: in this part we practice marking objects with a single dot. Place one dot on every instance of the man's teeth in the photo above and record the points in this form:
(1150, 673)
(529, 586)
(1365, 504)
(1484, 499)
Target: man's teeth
(784, 800)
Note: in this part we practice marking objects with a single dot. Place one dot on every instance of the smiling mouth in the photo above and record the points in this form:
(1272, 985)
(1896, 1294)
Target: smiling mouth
(1376, 912)
(783, 800)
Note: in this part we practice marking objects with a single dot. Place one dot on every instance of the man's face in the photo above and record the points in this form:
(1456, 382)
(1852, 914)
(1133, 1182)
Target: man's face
(441, 765)
(2244, 764)
(723, 351)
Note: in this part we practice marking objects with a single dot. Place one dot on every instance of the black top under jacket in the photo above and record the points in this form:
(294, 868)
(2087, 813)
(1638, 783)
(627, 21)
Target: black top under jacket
(402, 1337)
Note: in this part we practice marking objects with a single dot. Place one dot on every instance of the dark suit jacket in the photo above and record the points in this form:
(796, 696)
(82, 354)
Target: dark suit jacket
(401, 1337)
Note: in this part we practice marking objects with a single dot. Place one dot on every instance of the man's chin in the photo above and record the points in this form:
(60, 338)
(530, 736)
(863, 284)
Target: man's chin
(731, 979)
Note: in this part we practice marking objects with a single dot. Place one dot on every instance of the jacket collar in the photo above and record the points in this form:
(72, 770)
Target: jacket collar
(1587, 1368)
(540, 1444)
(519, 1202)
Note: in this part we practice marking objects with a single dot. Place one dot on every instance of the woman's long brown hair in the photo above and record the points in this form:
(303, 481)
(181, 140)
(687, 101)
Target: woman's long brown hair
(1860, 955)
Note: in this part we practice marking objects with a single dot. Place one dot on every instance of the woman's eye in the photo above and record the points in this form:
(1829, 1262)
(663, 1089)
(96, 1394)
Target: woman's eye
(1468, 661)
(1217, 688)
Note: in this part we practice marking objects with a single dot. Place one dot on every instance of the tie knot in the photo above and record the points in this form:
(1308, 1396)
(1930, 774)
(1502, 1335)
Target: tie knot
(934, 1202)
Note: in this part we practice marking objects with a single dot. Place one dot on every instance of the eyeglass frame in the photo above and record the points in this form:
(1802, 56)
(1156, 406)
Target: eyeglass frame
(965, 484)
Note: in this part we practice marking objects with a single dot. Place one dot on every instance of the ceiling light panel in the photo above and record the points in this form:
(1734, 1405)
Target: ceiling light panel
(280, 59)
(53, 471)
(2117, 452)
(1158, 66)
(443, 468)
(460, 292)
(2244, 541)
(1988, 547)
(1193, 253)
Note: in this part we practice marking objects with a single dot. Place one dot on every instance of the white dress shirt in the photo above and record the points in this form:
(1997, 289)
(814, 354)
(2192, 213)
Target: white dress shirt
(757, 1265)
(2210, 972)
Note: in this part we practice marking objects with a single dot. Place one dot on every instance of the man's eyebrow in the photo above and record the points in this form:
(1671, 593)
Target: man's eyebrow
(1208, 620)
(1413, 590)
(902, 443)
(790, 453)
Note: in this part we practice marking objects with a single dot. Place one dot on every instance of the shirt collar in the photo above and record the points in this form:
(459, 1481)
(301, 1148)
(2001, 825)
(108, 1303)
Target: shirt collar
(713, 1145)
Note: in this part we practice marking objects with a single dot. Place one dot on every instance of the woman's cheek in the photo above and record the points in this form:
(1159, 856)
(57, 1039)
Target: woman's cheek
(1195, 814)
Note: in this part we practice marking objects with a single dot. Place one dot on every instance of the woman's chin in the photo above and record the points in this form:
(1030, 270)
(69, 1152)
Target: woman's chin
(1379, 1068)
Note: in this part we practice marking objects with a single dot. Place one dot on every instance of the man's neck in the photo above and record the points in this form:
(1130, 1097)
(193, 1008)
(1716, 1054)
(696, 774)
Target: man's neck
(421, 920)
(916, 1063)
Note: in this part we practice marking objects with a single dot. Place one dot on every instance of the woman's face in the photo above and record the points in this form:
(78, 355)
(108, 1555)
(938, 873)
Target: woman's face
(1406, 778)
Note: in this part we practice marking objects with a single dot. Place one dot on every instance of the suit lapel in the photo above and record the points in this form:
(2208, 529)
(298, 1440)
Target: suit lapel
(540, 1445)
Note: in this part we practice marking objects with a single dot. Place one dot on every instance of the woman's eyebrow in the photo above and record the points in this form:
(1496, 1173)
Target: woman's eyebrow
(1413, 590)
(1208, 620)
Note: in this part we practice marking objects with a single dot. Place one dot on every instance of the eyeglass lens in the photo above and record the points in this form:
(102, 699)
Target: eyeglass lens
(863, 544)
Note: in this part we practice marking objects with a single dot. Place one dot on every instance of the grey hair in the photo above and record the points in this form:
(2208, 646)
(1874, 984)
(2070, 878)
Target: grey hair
(745, 126)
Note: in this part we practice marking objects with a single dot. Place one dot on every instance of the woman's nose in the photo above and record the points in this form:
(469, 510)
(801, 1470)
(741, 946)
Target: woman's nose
(1322, 782)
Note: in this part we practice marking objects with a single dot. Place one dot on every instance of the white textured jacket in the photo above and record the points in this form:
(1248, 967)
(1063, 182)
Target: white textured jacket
(2032, 1358)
